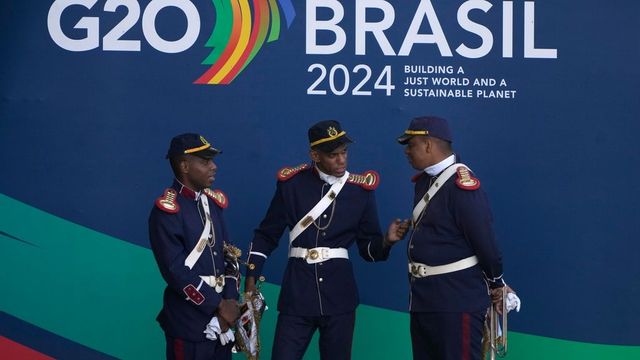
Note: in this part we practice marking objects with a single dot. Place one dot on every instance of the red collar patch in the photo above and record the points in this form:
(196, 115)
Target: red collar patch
(465, 180)
(417, 176)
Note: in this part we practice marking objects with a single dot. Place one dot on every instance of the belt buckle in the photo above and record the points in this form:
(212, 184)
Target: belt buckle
(313, 254)
(414, 269)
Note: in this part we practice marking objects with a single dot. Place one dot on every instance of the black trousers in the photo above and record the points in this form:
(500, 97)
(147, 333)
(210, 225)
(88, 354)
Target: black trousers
(178, 349)
(447, 336)
(293, 334)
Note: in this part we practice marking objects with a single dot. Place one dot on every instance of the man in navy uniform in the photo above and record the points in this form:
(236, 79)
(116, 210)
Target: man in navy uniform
(455, 266)
(190, 243)
(326, 209)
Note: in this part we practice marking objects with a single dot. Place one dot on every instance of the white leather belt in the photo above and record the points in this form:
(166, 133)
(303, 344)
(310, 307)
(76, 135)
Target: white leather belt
(419, 270)
(318, 254)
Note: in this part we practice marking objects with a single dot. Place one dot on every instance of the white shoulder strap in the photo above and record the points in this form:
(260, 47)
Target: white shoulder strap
(319, 208)
(437, 185)
(194, 255)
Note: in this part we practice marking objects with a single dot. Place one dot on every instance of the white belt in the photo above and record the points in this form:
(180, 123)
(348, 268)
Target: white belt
(318, 254)
(419, 270)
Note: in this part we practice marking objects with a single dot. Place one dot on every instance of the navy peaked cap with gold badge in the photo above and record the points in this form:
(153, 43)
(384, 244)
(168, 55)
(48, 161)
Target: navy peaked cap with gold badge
(193, 144)
(427, 126)
(327, 135)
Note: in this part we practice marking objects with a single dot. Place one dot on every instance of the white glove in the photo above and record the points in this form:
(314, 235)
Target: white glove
(227, 337)
(213, 332)
(213, 329)
(513, 302)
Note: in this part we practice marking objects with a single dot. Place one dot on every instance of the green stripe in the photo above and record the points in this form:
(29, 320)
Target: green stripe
(104, 293)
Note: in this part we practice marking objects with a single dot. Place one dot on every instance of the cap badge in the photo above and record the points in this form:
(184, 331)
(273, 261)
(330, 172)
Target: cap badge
(332, 131)
(203, 140)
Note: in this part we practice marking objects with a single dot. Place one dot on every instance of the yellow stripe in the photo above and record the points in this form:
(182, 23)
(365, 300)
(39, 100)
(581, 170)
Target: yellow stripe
(416, 132)
(243, 40)
(200, 148)
(326, 139)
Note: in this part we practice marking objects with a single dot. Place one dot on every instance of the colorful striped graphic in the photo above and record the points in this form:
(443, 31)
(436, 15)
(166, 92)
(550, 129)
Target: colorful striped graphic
(238, 35)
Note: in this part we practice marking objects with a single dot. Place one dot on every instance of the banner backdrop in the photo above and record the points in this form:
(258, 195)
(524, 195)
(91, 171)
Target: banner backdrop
(542, 98)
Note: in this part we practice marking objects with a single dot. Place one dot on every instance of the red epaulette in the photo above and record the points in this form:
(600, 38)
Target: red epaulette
(465, 180)
(167, 202)
(218, 197)
(287, 173)
(417, 176)
(368, 180)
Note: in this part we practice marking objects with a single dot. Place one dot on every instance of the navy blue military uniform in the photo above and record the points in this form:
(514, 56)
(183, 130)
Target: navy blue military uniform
(176, 223)
(322, 295)
(448, 310)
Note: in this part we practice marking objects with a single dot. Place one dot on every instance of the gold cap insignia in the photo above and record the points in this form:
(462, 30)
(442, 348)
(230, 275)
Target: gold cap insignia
(331, 131)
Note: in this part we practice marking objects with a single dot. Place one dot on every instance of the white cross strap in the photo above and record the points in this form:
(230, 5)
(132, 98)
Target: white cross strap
(194, 255)
(319, 208)
(437, 185)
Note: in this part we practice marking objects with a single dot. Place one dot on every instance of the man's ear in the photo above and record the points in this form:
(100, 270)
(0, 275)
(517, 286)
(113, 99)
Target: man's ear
(184, 166)
(315, 157)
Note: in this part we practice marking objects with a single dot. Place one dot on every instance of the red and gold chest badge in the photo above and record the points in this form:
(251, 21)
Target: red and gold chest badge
(465, 181)
(218, 197)
(167, 202)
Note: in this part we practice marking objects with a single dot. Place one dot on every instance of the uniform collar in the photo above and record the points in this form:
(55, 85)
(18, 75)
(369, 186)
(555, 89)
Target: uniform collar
(436, 169)
(185, 191)
(329, 179)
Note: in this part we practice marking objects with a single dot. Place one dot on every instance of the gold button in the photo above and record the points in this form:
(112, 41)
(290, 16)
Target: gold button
(313, 254)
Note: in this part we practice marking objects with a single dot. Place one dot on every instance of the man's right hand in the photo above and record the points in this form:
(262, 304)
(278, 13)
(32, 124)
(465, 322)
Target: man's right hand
(228, 312)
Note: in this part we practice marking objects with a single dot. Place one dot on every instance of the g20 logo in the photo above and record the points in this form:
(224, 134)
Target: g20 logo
(239, 33)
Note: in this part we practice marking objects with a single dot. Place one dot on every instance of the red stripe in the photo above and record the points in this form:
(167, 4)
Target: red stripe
(466, 336)
(12, 350)
(178, 349)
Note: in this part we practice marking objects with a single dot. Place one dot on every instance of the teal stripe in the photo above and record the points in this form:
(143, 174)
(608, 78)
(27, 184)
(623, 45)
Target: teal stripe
(104, 293)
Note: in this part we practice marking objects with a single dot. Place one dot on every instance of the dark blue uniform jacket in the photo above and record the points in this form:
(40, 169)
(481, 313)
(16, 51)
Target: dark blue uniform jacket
(457, 224)
(173, 236)
(326, 288)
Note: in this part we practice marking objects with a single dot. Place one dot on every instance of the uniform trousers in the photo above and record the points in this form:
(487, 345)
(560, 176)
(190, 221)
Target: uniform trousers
(447, 335)
(293, 334)
(178, 349)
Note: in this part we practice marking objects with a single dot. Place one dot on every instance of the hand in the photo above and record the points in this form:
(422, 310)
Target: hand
(397, 230)
(228, 312)
(250, 284)
(497, 298)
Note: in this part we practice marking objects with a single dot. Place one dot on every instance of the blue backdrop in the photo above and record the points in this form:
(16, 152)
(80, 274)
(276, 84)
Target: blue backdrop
(83, 133)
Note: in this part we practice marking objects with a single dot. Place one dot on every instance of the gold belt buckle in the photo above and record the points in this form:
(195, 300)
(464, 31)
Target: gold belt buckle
(414, 269)
(312, 254)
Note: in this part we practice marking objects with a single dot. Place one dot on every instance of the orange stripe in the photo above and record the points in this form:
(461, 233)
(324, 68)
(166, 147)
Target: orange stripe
(207, 77)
